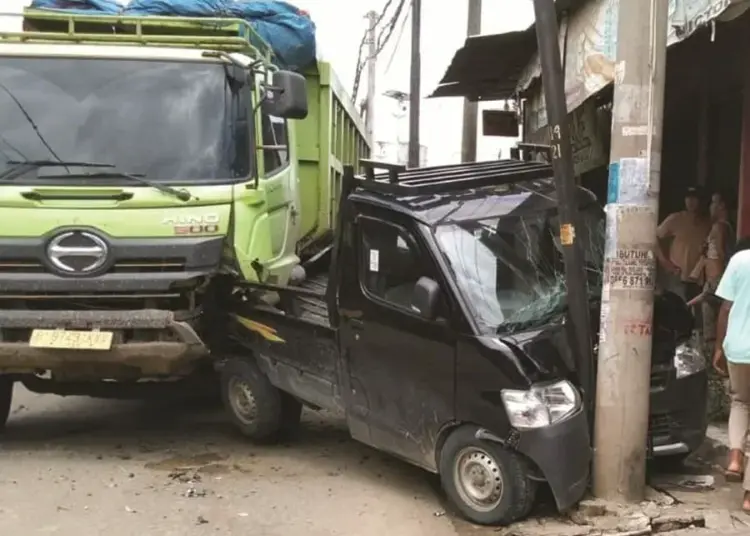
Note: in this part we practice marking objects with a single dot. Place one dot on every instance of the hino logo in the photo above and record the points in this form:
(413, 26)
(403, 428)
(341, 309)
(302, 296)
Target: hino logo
(189, 224)
(77, 252)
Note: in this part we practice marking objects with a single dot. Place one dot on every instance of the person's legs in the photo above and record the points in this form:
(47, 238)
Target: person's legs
(718, 394)
(690, 290)
(739, 416)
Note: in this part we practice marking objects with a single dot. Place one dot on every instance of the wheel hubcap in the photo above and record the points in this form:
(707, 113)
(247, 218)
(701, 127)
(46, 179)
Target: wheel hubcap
(478, 479)
(242, 400)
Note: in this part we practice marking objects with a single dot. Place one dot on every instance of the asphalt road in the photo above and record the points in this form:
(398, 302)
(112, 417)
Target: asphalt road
(78, 466)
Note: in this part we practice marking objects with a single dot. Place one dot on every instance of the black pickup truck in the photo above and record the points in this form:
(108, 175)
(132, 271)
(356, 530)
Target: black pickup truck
(441, 332)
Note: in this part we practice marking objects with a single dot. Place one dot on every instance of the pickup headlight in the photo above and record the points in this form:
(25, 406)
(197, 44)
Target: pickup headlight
(542, 405)
(688, 360)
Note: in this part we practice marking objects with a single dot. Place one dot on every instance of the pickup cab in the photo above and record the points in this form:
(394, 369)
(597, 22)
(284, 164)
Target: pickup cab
(440, 331)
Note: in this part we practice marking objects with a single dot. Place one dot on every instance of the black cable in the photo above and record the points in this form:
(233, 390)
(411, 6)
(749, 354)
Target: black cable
(32, 123)
(360, 64)
(382, 40)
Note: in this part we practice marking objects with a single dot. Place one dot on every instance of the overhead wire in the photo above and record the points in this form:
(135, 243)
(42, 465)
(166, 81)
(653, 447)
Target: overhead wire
(360, 62)
(398, 39)
(381, 40)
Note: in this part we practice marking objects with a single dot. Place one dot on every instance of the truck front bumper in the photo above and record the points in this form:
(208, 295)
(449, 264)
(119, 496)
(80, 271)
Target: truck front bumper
(173, 350)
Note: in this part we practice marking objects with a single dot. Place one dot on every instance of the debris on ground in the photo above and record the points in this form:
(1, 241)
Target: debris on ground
(659, 513)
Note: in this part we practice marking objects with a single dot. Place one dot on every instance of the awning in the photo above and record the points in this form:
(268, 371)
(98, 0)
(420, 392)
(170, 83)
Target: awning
(488, 66)
(496, 67)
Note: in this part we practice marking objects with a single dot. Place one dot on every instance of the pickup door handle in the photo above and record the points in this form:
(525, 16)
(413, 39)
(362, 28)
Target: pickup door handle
(356, 323)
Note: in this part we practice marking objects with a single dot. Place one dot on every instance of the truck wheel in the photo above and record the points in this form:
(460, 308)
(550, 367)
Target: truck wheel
(6, 397)
(256, 407)
(488, 483)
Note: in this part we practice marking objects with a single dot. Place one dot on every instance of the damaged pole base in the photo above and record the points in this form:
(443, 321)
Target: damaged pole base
(660, 513)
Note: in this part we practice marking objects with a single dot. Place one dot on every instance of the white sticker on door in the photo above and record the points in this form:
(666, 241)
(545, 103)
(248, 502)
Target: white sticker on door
(374, 260)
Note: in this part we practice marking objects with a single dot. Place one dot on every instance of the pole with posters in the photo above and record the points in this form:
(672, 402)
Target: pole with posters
(624, 362)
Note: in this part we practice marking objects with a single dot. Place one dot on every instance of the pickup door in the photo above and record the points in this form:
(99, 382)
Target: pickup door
(399, 366)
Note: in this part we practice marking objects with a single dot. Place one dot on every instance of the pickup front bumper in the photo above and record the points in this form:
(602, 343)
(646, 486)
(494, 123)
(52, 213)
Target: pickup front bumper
(563, 454)
(171, 347)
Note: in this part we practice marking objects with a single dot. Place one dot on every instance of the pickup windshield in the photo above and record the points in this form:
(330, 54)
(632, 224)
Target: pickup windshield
(171, 121)
(510, 268)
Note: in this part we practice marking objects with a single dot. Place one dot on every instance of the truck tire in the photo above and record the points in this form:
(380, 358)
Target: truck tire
(257, 408)
(6, 397)
(488, 483)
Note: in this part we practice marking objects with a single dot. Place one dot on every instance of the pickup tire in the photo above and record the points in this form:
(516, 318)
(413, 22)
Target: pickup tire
(259, 410)
(488, 483)
(6, 397)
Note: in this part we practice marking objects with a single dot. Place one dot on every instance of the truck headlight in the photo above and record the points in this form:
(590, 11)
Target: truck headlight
(542, 405)
(688, 360)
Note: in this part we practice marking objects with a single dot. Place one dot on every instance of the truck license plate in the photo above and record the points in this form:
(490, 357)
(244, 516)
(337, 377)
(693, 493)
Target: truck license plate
(71, 340)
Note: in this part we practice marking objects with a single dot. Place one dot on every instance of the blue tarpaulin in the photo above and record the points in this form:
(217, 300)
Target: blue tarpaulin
(289, 31)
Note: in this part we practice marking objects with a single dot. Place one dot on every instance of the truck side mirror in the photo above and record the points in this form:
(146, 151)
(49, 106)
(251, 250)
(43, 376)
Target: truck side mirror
(425, 298)
(289, 98)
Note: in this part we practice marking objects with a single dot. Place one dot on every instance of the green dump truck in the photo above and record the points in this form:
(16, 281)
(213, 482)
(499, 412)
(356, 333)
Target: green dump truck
(148, 167)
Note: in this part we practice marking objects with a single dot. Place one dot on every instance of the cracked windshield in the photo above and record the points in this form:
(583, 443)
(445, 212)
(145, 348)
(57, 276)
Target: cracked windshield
(509, 265)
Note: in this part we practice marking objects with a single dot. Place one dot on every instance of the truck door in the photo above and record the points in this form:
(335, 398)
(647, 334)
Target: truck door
(400, 366)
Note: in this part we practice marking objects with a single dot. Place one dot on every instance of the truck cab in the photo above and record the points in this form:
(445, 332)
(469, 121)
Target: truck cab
(441, 332)
(147, 164)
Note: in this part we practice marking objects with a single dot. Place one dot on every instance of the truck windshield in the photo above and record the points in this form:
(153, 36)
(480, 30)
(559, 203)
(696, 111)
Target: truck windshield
(169, 121)
(510, 268)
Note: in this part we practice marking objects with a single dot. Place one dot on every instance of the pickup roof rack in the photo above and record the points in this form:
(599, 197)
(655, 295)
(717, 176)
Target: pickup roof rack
(225, 34)
(398, 180)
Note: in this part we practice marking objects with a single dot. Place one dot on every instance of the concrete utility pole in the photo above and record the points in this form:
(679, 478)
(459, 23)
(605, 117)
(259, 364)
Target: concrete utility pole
(623, 380)
(372, 17)
(469, 140)
(561, 152)
(414, 87)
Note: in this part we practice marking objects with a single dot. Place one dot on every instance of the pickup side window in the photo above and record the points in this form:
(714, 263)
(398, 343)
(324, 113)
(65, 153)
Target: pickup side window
(390, 263)
(275, 143)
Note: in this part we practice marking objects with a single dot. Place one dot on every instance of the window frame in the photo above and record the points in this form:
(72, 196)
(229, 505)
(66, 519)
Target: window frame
(263, 146)
(363, 260)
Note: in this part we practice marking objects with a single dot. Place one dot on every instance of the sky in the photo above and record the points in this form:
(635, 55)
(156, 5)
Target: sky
(340, 25)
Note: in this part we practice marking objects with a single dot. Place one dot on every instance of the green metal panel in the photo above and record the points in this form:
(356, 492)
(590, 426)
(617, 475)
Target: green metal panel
(333, 135)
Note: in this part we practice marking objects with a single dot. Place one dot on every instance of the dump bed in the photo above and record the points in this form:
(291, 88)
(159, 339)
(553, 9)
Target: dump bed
(332, 136)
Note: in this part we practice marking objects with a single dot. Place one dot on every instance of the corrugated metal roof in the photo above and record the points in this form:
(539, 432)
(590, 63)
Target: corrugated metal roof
(488, 67)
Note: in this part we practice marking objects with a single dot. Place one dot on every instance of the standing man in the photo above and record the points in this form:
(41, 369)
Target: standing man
(686, 232)
(732, 355)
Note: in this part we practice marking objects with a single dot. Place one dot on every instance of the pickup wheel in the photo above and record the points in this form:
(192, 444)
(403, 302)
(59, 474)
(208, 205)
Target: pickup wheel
(6, 397)
(257, 408)
(488, 483)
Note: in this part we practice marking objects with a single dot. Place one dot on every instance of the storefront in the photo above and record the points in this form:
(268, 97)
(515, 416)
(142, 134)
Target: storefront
(707, 96)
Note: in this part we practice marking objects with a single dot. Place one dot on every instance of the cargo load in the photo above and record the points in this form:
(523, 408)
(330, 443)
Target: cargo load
(289, 31)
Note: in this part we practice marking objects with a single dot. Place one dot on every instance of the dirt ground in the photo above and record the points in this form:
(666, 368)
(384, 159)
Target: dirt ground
(77, 466)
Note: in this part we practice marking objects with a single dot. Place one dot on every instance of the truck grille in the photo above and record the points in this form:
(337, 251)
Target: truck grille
(166, 265)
